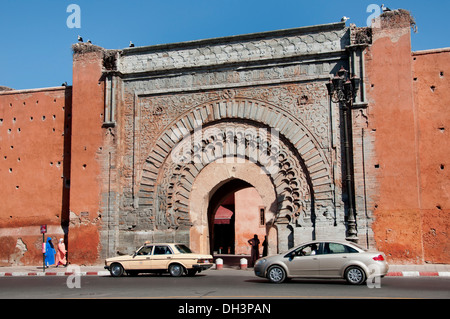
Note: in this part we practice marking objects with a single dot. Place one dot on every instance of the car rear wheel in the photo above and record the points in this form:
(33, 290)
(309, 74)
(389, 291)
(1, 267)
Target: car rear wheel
(116, 270)
(276, 274)
(176, 270)
(355, 275)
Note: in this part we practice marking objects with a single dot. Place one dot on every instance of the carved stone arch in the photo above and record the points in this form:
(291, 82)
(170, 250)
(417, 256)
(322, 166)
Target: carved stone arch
(297, 166)
(301, 138)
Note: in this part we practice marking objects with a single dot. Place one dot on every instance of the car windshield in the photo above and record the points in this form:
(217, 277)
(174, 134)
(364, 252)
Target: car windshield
(183, 249)
(145, 250)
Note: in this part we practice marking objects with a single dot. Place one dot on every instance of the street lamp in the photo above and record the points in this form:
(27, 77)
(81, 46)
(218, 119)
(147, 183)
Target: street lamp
(342, 89)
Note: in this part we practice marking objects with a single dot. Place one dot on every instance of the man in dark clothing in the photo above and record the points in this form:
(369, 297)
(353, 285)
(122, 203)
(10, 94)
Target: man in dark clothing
(254, 242)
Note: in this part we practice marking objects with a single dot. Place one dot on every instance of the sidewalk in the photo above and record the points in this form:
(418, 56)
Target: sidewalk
(98, 270)
(22, 271)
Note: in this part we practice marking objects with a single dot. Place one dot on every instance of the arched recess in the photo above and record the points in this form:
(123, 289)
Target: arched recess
(288, 155)
(231, 236)
(210, 180)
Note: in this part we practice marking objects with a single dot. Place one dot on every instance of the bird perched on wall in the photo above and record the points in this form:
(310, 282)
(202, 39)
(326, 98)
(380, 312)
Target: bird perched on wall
(89, 41)
(131, 45)
(345, 19)
(80, 39)
(384, 8)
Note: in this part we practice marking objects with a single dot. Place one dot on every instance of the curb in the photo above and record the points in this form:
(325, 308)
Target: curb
(50, 273)
(419, 274)
(107, 274)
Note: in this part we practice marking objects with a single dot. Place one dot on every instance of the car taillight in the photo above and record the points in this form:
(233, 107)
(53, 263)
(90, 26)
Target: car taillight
(203, 261)
(378, 258)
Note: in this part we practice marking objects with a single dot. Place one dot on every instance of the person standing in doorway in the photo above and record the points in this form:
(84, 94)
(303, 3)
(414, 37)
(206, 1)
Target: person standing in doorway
(265, 245)
(254, 242)
(49, 253)
(61, 253)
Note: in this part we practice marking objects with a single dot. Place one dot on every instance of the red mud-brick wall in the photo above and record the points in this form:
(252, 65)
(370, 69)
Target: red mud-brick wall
(393, 123)
(87, 141)
(34, 171)
(407, 120)
(431, 78)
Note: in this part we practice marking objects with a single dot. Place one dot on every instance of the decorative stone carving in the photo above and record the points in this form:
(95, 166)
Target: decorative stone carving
(300, 41)
(185, 105)
(313, 114)
(231, 142)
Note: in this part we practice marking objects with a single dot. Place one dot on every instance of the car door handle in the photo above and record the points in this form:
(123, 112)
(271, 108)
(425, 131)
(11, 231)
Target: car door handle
(169, 257)
(344, 256)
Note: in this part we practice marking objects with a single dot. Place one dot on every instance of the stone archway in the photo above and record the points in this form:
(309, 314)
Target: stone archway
(210, 179)
(241, 131)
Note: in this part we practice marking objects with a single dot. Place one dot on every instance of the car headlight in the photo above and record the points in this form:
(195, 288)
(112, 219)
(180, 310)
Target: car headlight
(260, 261)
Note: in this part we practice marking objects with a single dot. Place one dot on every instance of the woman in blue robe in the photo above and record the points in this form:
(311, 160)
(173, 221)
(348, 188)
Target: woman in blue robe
(49, 253)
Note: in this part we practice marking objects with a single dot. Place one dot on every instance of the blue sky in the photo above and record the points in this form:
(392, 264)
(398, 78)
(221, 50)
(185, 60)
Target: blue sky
(35, 41)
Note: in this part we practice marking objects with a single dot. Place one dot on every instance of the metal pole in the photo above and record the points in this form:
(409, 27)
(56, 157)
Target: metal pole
(43, 253)
(351, 221)
(343, 89)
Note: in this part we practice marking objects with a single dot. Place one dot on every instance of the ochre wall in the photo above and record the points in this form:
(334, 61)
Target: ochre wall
(86, 170)
(34, 171)
(409, 182)
(431, 78)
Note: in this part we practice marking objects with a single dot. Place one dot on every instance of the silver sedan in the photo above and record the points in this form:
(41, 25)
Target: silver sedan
(324, 259)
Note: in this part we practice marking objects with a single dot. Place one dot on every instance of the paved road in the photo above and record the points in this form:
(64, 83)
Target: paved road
(216, 285)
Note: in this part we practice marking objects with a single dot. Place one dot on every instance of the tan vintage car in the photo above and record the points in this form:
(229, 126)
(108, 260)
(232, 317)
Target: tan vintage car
(177, 259)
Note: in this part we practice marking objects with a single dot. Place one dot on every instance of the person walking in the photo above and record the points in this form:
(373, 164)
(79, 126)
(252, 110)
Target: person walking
(254, 242)
(49, 253)
(61, 253)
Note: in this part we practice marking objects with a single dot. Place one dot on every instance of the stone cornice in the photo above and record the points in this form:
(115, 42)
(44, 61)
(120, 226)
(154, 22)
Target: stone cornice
(235, 38)
(254, 48)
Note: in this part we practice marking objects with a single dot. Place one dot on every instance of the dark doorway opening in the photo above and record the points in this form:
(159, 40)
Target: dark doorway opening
(222, 229)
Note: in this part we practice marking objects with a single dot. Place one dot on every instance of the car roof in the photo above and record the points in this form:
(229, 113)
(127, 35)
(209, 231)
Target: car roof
(331, 240)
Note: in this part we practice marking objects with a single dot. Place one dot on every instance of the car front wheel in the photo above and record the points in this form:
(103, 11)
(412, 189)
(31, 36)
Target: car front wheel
(176, 270)
(276, 274)
(355, 275)
(116, 270)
